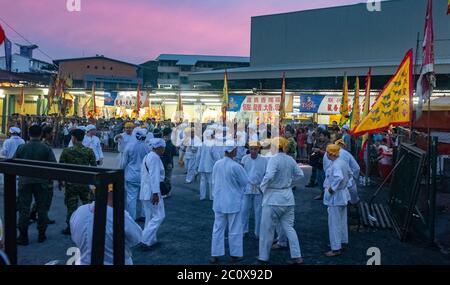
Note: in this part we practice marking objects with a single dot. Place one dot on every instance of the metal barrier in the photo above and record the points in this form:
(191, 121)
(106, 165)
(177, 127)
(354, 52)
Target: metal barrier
(100, 177)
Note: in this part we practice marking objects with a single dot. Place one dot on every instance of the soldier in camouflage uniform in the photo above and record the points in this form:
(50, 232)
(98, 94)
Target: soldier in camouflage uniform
(81, 155)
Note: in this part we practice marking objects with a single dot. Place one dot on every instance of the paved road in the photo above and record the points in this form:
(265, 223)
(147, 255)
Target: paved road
(185, 235)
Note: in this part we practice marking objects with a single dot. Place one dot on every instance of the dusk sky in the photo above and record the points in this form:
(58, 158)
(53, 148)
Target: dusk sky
(140, 30)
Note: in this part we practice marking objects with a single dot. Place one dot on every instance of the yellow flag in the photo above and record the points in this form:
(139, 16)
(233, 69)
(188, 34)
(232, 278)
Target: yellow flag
(394, 104)
(225, 97)
(344, 103)
(355, 111)
(367, 101)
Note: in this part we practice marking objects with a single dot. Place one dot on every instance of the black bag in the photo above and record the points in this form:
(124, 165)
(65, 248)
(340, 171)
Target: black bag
(162, 186)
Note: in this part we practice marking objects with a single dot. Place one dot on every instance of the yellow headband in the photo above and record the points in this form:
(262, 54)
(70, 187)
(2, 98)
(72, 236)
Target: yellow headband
(129, 124)
(254, 144)
(280, 142)
(333, 149)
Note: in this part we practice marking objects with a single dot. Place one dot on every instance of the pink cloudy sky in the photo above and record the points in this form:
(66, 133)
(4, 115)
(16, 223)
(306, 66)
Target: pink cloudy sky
(140, 30)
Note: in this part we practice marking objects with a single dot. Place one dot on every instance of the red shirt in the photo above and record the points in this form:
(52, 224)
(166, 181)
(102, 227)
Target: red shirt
(301, 139)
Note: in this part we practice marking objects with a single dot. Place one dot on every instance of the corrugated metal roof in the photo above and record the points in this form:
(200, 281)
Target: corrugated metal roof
(184, 59)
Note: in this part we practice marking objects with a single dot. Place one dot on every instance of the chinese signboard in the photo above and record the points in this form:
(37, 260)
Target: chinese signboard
(124, 99)
(328, 105)
(258, 103)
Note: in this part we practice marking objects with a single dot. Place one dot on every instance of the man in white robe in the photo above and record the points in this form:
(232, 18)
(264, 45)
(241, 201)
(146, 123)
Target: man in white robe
(278, 202)
(123, 139)
(152, 174)
(82, 225)
(10, 145)
(354, 167)
(189, 154)
(133, 156)
(207, 157)
(255, 167)
(229, 182)
(93, 142)
(336, 197)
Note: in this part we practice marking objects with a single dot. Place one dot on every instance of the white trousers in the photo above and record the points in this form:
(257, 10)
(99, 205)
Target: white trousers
(252, 201)
(154, 216)
(190, 168)
(132, 189)
(337, 226)
(281, 236)
(205, 183)
(235, 235)
(271, 217)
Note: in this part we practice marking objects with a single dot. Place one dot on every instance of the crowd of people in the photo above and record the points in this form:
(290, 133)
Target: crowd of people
(243, 168)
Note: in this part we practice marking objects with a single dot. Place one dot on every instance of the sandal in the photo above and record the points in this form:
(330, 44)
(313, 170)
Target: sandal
(333, 253)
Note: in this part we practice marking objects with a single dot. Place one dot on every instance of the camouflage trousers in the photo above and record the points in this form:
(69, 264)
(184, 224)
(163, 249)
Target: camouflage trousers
(73, 193)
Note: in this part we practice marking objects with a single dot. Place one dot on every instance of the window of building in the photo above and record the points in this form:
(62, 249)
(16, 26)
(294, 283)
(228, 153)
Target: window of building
(88, 66)
(184, 80)
(104, 68)
(186, 68)
(96, 67)
(111, 68)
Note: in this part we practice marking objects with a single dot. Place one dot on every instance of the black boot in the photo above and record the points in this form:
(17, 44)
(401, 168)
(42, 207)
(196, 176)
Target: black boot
(42, 237)
(23, 238)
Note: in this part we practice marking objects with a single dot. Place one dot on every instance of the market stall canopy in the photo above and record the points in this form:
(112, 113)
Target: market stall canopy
(439, 116)
(439, 104)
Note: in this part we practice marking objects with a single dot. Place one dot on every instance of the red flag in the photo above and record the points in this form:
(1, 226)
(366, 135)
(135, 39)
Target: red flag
(2, 35)
(427, 79)
(138, 103)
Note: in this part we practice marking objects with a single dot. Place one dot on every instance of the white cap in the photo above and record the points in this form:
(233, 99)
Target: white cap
(137, 123)
(141, 133)
(155, 143)
(90, 128)
(345, 127)
(14, 130)
(83, 128)
(230, 145)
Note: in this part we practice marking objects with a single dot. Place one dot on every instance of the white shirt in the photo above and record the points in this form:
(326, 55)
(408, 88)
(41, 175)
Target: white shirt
(10, 146)
(94, 144)
(122, 143)
(82, 224)
(190, 147)
(207, 157)
(347, 157)
(337, 178)
(255, 169)
(132, 159)
(229, 181)
(281, 171)
(386, 155)
(310, 137)
(151, 177)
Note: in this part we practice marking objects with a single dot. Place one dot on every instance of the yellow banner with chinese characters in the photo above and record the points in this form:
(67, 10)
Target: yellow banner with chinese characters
(393, 106)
